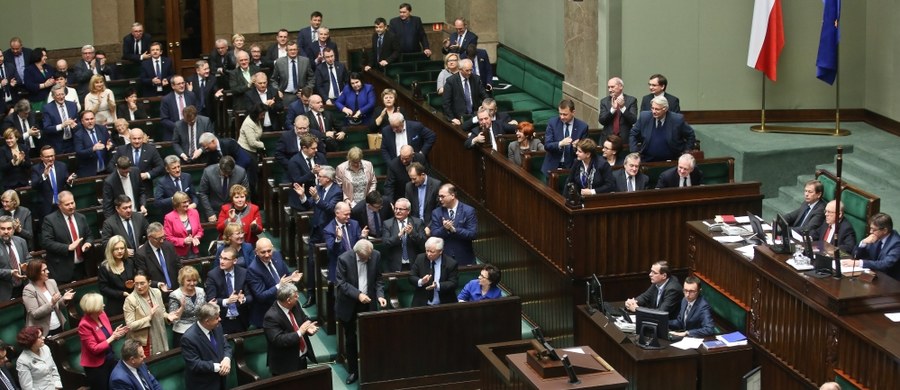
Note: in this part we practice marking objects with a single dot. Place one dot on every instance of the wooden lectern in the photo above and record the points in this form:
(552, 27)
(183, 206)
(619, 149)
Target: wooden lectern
(593, 372)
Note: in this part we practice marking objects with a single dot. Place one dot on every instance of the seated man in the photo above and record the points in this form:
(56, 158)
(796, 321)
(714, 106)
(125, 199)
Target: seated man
(187, 132)
(323, 121)
(836, 230)
(684, 175)
(880, 250)
(630, 178)
(664, 292)
(435, 275)
(485, 134)
(658, 84)
(660, 135)
(215, 148)
(811, 213)
(508, 124)
(695, 318)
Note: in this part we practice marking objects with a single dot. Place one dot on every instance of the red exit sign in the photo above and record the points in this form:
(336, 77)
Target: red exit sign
(437, 27)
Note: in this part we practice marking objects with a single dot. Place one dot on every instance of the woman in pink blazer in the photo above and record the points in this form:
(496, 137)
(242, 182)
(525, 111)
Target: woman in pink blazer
(97, 336)
(182, 226)
(242, 212)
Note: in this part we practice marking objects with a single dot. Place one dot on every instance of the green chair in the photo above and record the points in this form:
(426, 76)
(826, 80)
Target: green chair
(532, 162)
(168, 369)
(396, 68)
(251, 354)
(12, 316)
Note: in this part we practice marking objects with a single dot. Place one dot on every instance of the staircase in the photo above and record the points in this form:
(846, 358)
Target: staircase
(871, 169)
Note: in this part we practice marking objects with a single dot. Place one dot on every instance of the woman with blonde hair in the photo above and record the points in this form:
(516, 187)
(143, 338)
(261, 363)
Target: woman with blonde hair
(355, 176)
(188, 298)
(101, 101)
(115, 277)
(97, 337)
(182, 226)
(451, 66)
(22, 225)
(233, 237)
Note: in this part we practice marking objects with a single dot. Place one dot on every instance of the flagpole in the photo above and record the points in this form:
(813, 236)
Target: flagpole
(762, 114)
(837, 90)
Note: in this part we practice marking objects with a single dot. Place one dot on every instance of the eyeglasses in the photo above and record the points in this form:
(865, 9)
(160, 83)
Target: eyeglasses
(687, 291)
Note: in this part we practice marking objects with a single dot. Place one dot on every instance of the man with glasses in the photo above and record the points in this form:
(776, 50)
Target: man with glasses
(880, 250)
(631, 179)
(658, 84)
(664, 292)
(13, 253)
(695, 317)
(456, 223)
(228, 285)
(402, 238)
(171, 108)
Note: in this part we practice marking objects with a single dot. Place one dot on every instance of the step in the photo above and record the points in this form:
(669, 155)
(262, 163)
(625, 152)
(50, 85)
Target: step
(880, 157)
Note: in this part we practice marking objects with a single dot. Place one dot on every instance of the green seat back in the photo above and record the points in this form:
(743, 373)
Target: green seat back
(715, 173)
(412, 57)
(510, 67)
(534, 166)
(128, 70)
(406, 79)
(85, 194)
(358, 137)
(396, 68)
(12, 316)
(168, 369)
(73, 346)
(436, 101)
(828, 186)
(653, 173)
(521, 116)
(725, 308)
(855, 207)
(437, 65)
(256, 354)
(152, 107)
(357, 60)
(427, 87)
(405, 291)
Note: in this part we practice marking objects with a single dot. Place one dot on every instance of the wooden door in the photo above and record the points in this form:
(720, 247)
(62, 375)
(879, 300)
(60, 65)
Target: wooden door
(183, 27)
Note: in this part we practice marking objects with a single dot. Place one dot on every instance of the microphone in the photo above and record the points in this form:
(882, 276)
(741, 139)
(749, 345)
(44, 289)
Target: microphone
(573, 379)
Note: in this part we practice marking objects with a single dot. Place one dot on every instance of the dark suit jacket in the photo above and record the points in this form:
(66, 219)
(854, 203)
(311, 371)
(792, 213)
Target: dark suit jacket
(336, 248)
(112, 187)
(455, 98)
(150, 162)
(460, 47)
(148, 73)
(80, 75)
(165, 189)
(410, 34)
(555, 133)
(113, 226)
(670, 179)
(252, 97)
(674, 104)
(887, 259)
(199, 357)
(360, 214)
(14, 176)
(55, 238)
(679, 136)
(641, 181)
(122, 379)
(181, 138)
(23, 214)
(206, 104)
(87, 158)
(33, 78)
(323, 210)
(482, 65)
(330, 144)
(284, 343)
(44, 188)
(815, 218)
(457, 244)
(227, 63)
(23, 257)
(14, 378)
(140, 113)
(11, 74)
(291, 111)
(496, 128)
(304, 39)
(210, 191)
(229, 147)
(323, 79)
(312, 52)
(13, 121)
(846, 238)
(216, 288)
(432, 185)
(626, 119)
(298, 172)
(346, 288)
(168, 111)
(128, 47)
(397, 177)
(145, 259)
(50, 135)
(598, 177)
(264, 287)
(671, 296)
(699, 322)
(418, 136)
(448, 283)
(239, 85)
(392, 243)
(8, 57)
(389, 50)
(287, 145)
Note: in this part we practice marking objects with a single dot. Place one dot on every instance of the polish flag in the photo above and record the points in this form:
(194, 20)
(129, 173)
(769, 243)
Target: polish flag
(766, 37)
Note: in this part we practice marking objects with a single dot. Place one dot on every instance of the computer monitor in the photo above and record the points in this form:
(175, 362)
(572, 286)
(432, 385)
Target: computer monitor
(651, 326)
(781, 230)
(595, 295)
(759, 235)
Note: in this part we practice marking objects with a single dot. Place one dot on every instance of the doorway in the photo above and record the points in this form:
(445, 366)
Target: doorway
(183, 27)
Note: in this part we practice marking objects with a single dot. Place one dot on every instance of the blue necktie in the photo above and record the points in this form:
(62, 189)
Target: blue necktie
(404, 253)
(334, 83)
(131, 243)
(100, 164)
(468, 95)
(137, 157)
(232, 308)
(294, 78)
(53, 185)
(162, 264)
(212, 341)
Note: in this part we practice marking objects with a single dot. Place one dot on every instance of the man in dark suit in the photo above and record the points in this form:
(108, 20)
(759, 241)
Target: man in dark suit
(811, 214)
(222, 62)
(65, 250)
(385, 49)
(303, 167)
(561, 135)
(340, 235)
(17, 55)
(187, 132)
(418, 136)
(310, 34)
(156, 72)
(463, 93)
(157, 258)
(685, 174)
(660, 135)
(10, 85)
(372, 213)
(215, 183)
(410, 33)
(105, 68)
(240, 79)
(288, 144)
(5, 376)
(92, 145)
(298, 108)
(292, 73)
(264, 277)
(207, 355)
(131, 373)
(322, 199)
(203, 85)
(880, 250)
(278, 49)
(434, 274)
(836, 230)
(460, 39)
(664, 293)
(695, 317)
(171, 108)
(174, 181)
(322, 120)
(397, 177)
(316, 51)
(143, 156)
(359, 288)
(13, 253)
(48, 180)
(59, 122)
(618, 111)
(630, 177)
(83, 70)
(486, 133)
(658, 84)
(228, 285)
(126, 223)
(125, 180)
(456, 223)
(136, 45)
(287, 332)
(422, 192)
(264, 96)
(330, 77)
(402, 239)
(215, 148)
(481, 65)
(23, 120)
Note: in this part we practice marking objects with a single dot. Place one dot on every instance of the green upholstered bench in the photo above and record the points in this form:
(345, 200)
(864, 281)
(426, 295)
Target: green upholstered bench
(398, 290)
(397, 68)
(436, 65)
(407, 79)
(532, 162)
(81, 288)
(435, 101)
(251, 355)
(12, 316)
(719, 170)
(859, 205)
(533, 87)
(727, 309)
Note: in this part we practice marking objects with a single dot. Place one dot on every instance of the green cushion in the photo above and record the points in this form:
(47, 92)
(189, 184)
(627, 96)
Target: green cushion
(534, 167)
(399, 67)
(168, 371)
(436, 101)
(355, 137)
(714, 173)
(427, 87)
(405, 291)
(510, 67)
(654, 172)
(437, 65)
(541, 117)
(855, 206)
(255, 354)
(521, 116)
(406, 79)
(828, 186)
(725, 308)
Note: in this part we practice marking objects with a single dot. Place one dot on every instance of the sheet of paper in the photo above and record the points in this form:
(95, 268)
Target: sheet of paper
(575, 350)
(746, 250)
(853, 269)
(742, 219)
(805, 267)
(728, 239)
(895, 317)
(796, 236)
(688, 343)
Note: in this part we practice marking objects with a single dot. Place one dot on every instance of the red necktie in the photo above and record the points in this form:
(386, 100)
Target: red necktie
(296, 328)
(827, 233)
(13, 261)
(616, 122)
(74, 233)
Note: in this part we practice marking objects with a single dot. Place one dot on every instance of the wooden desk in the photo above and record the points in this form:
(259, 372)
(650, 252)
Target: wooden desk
(525, 377)
(798, 324)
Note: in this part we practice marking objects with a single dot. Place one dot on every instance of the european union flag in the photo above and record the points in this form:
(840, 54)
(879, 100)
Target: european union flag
(827, 60)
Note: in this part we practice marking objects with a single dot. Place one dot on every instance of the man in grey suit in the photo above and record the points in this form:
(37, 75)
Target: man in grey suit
(422, 192)
(186, 141)
(66, 236)
(126, 223)
(292, 73)
(217, 179)
(13, 253)
(618, 111)
(631, 179)
(402, 237)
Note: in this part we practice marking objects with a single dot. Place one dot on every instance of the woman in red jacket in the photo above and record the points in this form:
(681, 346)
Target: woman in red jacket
(97, 336)
(241, 211)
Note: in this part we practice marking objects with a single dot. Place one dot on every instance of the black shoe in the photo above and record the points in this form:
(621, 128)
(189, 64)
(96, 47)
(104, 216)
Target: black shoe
(309, 302)
(351, 378)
